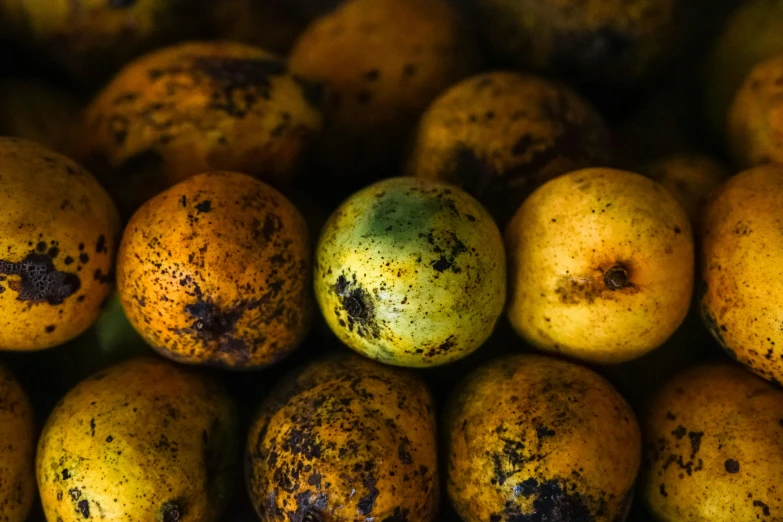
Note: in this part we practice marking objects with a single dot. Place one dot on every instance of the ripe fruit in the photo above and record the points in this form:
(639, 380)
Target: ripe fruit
(17, 451)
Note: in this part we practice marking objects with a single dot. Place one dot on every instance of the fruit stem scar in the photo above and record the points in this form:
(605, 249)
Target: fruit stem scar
(616, 278)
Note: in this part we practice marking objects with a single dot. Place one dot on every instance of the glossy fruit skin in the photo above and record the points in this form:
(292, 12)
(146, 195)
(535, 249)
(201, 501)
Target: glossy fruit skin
(741, 273)
(58, 235)
(529, 437)
(381, 62)
(713, 447)
(345, 439)
(157, 438)
(17, 452)
(411, 272)
(569, 241)
(217, 271)
(500, 135)
(755, 120)
(603, 42)
(197, 107)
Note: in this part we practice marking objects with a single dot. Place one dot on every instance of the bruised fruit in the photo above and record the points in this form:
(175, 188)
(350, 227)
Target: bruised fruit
(345, 439)
(606, 42)
(216, 270)
(58, 236)
(714, 448)
(144, 440)
(500, 135)
(197, 107)
(382, 62)
(534, 438)
(411, 272)
(690, 178)
(601, 266)
(741, 268)
(17, 450)
(755, 126)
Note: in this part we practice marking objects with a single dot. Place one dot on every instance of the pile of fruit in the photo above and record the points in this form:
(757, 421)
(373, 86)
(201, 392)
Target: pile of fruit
(391, 260)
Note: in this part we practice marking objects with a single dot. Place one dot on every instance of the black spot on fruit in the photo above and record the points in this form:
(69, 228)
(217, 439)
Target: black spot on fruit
(732, 466)
(75, 494)
(251, 77)
(50, 328)
(210, 322)
(100, 245)
(39, 281)
(553, 503)
(204, 207)
(542, 432)
(367, 502)
(84, 508)
(66, 474)
(616, 278)
(358, 306)
(171, 511)
(695, 438)
(764, 507)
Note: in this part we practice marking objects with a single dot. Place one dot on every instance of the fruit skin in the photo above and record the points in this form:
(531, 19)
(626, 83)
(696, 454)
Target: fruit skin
(535, 438)
(742, 275)
(17, 452)
(604, 42)
(196, 107)
(382, 62)
(411, 272)
(143, 440)
(500, 135)
(58, 237)
(601, 266)
(216, 270)
(755, 126)
(713, 447)
(345, 439)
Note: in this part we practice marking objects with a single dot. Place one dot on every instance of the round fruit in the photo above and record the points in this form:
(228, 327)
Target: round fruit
(216, 270)
(345, 439)
(597, 41)
(534, 438)
(500, 135)
(58, 233)
(193, 108)
(755, 127)
(742, 275)
(382, 62)
(144, 440)
(714, 447)
(601, 266)
(17, 451)
(690, 178)
(411, 272)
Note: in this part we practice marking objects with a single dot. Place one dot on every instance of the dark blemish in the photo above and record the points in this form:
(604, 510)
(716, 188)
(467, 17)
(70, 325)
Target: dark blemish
(303, 442)
(315, 480)
(53, 252)
(101, 277)
(171, 511)
(49, 329)
(41, 246)
(183, 201)
(542, 432)
(307, 509)
(75, 494)
(372, 75)
(677, 230)
(363, 98)
(109, 438)
(121, 4)
(616, 278)
(359, 307)
(510, 455)
(527, 487)
(84, 258)
(68, 260)
(403, 453)
(367, 502)
(92, 426)
(271, 226)
(441, 264)
(81, 247)
(40, 282)
(100, 245)
(695, 442)
(490, 115)
(84, 508)
(662, 490)
(211, 323)
(70, 170)
(409, 70)
(204, 207)
(553, 504)
(679, 432)
(732, 466)
(670, 416)
(66, 474)
(253, 76)
(763, 506)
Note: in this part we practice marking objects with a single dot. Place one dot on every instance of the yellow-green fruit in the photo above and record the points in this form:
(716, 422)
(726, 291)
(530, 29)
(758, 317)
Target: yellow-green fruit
(345, 439)
(594, 41)
(714, 448)
(382, 62)
(690, 178)
(601, 266)
(755, 124)
(535, 438)
(37, 111)
(93, 38)
(144, 440)
(743, 277)
(193, 108)
(216, 270)
(500, 135)
(751, 36)
(58, 237)
(17, 450)
(411, 272)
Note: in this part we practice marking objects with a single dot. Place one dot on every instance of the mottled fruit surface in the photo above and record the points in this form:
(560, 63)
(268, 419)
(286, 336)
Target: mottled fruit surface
(411, 272)
(743, 277)
(533, 438)
(594, 41)
(500, 135)
(755, 125)
(196, 107)
(601, 266)
(216, 270)
(382, 62)
(345, 439)
(17, 450)
(58, 237)
(143, 440)
(714, 448)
